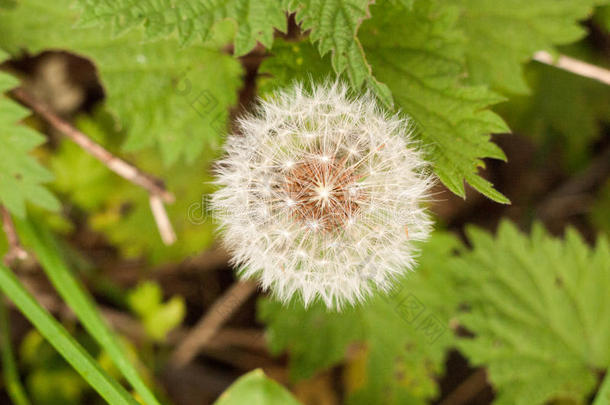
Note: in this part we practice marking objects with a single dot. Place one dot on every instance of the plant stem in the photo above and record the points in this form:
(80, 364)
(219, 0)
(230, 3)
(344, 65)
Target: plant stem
(575, 66)
(211, 322)
(128, 171)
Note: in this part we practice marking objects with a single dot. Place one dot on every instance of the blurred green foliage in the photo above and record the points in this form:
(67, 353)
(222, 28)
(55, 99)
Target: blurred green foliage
(158, 317)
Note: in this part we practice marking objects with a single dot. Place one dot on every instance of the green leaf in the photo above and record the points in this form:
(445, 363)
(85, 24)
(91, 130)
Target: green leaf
(602, 16)
(419, 55)
(292, 61)
(334, 25)
(61, 340)
(501, 38)
(81, 303)
(20, 174)
(159, 318)
(176, 98)
(8, 4)
(405, 334)
(255, 19)
(49, 378)
(603, 395)
(540, 311)
(255, 388)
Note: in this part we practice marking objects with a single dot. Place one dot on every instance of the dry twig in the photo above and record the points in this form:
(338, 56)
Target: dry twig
(211, 322)
(468, 389)
(575, 66)
(128, 171)
(168, 236)
(15, 250)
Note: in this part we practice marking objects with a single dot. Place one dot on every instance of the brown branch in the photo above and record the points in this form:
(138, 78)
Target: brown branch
(575, 66)
(15, 250)
(253, 339)
(211, 322)
(116, 164)
(128, 171)
(468, 389)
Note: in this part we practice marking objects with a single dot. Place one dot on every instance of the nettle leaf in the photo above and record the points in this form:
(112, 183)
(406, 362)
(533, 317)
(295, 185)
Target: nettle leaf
(21, 175)
(419, 54)
(540, 312)
(405, 335)
(255, 19)
(502, 37)
(292, 61)
(602, 15)
(334, 25)
(255, 388)
(175, 98)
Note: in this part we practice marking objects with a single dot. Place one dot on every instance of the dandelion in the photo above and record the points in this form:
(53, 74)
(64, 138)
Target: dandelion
(321, 196)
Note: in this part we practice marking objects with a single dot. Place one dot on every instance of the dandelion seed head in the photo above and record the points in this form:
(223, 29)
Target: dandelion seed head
(316, 193)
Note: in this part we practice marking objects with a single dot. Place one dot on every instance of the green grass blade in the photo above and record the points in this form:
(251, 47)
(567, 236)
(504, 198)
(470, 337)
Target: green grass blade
(603, 395)
(61, 340)
(81, 303)
(9, 367)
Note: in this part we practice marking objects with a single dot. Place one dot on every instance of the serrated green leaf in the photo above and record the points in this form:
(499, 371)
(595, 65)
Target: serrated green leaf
(172, 97)
(255, 388)
(419, 55)
(290, 62)
(255, 19)
(540, 312)
(21, 175)
(8, 4)
(500, 38)
(406, 334)
(602, 16)
(334, 25)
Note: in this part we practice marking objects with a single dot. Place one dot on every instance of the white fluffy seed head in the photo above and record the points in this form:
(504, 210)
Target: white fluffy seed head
(321, 195)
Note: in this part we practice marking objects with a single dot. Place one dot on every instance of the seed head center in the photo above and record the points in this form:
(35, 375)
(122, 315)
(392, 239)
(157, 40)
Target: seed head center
(321, 192)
